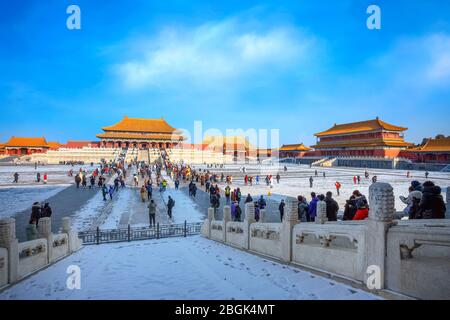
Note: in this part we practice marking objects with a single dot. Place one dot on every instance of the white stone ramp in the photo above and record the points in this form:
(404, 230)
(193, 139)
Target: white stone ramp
(178, 268)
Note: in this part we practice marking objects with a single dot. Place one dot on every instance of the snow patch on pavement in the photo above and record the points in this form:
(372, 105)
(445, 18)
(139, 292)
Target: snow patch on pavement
(182, 268)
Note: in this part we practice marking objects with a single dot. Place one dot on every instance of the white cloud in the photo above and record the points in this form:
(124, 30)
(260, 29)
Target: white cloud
(214, 52)
(420, 62)
(439, 47)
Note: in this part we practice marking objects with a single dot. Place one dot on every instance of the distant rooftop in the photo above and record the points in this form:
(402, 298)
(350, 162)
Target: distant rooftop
(362, 126)
(141, 125)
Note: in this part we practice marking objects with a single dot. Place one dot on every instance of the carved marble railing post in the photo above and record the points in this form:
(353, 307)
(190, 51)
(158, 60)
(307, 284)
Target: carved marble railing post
(447, 199)
(9, 242)
(263, 216)
(381, 214)
(226, 218)
(290, 219)
(321, 216)
(206, 227)
(45, 231)
(72, 235)
(248, 220)
(211, 215)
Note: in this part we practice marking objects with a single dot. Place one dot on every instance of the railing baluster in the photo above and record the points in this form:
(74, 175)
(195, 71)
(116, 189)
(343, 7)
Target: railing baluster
(185, 226)
(98, 235)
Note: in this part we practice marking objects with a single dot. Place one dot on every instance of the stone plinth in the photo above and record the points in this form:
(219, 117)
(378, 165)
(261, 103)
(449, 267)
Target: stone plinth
(248, 220)
(289, 221)
(263, 216)
(7, 231)
(66, 225)
(321, 216)
(381, 213)
(9, 242)
(45, 231)
(206, 227)
(226, 218)
(447, 199)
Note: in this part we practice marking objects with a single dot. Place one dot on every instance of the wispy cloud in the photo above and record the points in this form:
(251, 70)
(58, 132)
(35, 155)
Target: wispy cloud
(419, 62)
(215, 51)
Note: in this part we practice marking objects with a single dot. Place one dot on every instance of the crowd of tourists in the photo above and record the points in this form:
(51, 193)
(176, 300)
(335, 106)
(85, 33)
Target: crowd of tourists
(424, 201)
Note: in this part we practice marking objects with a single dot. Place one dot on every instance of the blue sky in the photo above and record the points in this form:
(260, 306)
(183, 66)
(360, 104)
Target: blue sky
(299, 66)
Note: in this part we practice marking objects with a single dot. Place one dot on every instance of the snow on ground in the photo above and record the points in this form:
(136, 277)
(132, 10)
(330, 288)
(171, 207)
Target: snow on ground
(17, 199)
(121, 206)
(185, 208)
(178, 268)
(27, 173)
(84, 218)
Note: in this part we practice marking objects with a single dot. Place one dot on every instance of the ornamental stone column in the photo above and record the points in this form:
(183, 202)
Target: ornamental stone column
(447, 199)
(226, 218)
(248, 220)
(321, 216)
(206, 228)
(45, 231)
(289, 221)
(9, 241)
(381, 214)
(72, 235)
(263, 216)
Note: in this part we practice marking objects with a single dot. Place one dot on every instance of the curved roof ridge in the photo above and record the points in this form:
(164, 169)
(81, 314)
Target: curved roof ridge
(141, 125)
(361, 126)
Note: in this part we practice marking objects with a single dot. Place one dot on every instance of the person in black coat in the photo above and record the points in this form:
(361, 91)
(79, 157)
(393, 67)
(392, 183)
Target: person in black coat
(77, 180)
(36, 212)
(249, 198)
(350, 208)
(46, 211)
(170, 205)
(281, 209)
(432, 204)
(332, 207)
(238, 213)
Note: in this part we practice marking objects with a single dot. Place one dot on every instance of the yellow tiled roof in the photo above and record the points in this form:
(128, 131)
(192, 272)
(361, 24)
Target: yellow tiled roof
(294, 147)
(27, 142)
(141, 125)
(54, 144)
(434, 145)
(362, 126)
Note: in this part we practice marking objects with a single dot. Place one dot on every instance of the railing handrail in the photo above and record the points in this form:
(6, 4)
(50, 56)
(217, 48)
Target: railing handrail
(144, 227)
(129, 233)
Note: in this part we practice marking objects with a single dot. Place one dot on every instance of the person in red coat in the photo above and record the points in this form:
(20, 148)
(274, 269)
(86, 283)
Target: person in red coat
(362, 207)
